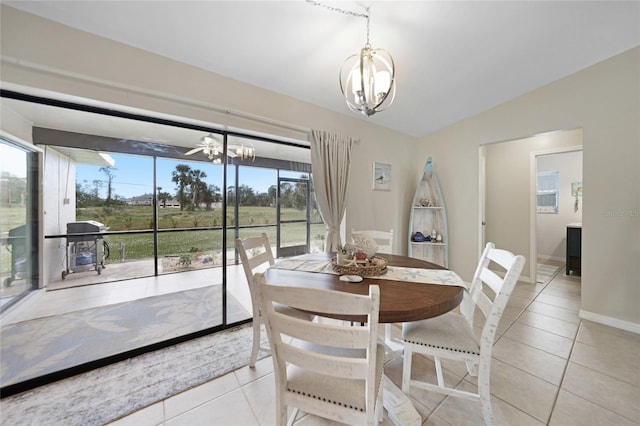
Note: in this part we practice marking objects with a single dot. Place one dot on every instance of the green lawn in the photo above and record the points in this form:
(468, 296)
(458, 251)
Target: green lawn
(122, 218)
(140, 246)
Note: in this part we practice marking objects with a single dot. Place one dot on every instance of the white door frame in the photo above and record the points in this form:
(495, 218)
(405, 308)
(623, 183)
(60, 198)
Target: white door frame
(482, 163)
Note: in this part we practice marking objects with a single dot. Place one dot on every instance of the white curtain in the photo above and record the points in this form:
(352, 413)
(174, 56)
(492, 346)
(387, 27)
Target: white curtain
(330, 165)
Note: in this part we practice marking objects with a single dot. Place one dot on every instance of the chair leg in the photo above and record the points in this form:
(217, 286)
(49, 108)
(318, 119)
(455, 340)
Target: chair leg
(485, 395)
(439, 371)
(472, 369)
(255, 347)
(406, 369)
(380, 404)
(292, 418)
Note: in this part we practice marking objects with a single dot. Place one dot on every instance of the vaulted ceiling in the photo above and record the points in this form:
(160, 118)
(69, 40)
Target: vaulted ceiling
(454, 59)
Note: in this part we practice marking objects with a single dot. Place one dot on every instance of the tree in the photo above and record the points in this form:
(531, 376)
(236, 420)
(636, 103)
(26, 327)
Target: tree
(231, 195)
(97, 184)
(182, 177)
(197, 185)
(164, 197)
(108, 171)
(273, 192)
(286, 195)
(246, 196)
(211, 195)
(300, 195)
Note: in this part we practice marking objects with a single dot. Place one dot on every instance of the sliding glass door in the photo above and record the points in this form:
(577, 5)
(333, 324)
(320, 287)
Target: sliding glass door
(19, 260)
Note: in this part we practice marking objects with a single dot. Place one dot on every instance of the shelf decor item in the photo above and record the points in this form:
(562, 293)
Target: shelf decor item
(428, 233)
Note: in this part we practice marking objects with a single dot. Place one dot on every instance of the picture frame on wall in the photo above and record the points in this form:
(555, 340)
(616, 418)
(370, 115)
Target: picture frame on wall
(381, 176)
(576, 189)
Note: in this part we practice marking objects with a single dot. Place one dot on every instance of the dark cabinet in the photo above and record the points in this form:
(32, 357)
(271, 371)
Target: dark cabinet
(574, 249)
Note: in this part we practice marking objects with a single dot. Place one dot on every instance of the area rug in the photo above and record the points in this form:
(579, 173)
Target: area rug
(545, 273)
(108, 393)
(42, 346)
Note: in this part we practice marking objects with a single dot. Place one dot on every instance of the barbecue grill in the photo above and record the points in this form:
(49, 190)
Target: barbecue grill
(86, 247)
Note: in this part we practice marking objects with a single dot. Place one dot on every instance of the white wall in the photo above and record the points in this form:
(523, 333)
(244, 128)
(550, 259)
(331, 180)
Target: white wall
(602, 100)
(551, 232)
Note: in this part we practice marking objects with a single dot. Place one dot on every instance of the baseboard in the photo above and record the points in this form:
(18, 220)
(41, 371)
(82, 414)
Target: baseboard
(554, 258)
(525, 279)
(609, 321)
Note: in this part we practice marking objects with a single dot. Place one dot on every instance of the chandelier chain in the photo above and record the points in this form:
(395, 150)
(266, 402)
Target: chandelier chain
(367, 80)
(343, 11)
(366, 13)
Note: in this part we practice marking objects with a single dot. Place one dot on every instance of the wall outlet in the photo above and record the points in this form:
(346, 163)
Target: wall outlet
(65, 201)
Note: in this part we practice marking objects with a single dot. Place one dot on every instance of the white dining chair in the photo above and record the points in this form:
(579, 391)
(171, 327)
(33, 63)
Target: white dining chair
(384, 239)
(332, 369)
(256, 255)
(451, 336)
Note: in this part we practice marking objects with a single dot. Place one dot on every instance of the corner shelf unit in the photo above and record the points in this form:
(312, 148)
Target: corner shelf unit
(428, 213)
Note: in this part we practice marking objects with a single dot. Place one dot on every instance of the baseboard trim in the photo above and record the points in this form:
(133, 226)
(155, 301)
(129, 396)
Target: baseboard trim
(555, 258)
(525, 279)
(609, 321)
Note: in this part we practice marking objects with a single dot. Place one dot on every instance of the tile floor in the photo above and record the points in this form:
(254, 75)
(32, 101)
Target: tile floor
(59, 300)
(549, 367)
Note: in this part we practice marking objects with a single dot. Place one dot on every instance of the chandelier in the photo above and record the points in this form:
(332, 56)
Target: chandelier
(367, 80)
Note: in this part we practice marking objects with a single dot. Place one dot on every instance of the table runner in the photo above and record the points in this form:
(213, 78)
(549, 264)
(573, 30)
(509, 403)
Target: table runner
(318, 263)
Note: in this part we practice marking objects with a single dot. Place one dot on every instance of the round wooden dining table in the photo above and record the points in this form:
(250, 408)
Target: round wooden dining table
(400, 301)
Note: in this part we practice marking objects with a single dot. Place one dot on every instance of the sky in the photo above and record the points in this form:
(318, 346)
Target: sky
(13, 161)
(134, 175)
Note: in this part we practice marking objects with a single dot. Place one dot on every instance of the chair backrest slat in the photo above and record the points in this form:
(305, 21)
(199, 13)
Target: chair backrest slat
(319, 333)
(491, 279)
(297, 297)
(254, 252)
(354, 368)
(501, 283)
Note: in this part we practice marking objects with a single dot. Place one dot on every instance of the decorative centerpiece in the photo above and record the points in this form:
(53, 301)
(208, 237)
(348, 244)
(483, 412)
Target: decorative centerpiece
(361, 265)
(365, 244)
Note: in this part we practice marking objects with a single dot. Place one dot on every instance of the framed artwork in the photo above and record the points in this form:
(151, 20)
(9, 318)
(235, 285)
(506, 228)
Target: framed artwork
(576, 189)
(381, 176)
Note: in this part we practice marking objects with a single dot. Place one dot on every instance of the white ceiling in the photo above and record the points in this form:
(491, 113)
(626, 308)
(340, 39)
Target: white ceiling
(454, 59)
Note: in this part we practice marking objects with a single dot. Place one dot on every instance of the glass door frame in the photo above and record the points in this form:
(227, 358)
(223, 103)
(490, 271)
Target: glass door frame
(286, 251)
(32, 219)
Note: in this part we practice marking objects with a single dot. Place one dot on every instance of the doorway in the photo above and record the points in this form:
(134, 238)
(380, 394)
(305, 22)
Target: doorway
(507, 191)
(557, 193)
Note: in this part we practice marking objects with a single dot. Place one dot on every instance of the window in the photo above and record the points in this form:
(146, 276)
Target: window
(547, 192)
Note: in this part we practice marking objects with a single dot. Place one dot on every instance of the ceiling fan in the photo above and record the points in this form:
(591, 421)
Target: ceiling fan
(213, 149)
